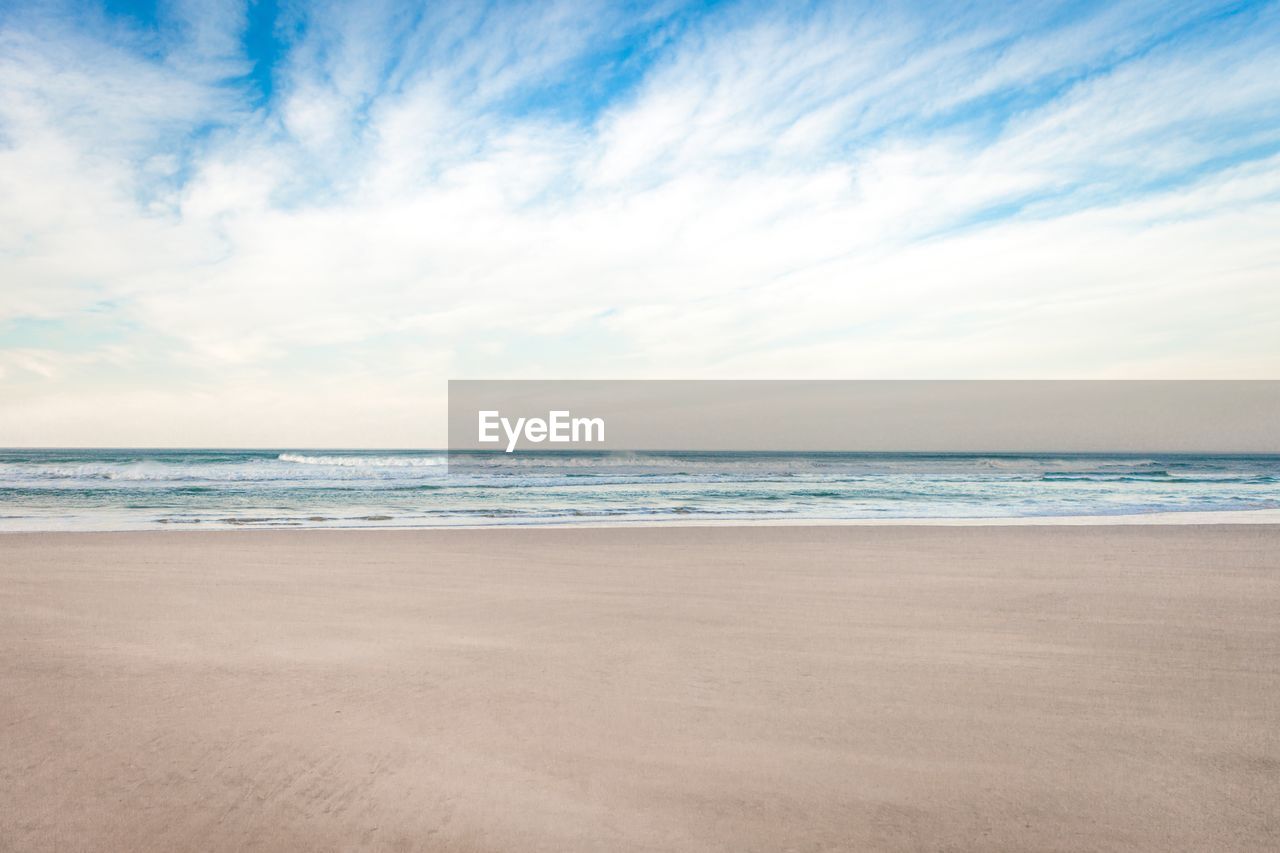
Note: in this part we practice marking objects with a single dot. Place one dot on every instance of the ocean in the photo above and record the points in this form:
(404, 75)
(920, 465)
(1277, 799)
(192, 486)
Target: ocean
(202, 489)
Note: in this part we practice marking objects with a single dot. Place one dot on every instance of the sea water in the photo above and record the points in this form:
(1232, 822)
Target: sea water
(201, 489)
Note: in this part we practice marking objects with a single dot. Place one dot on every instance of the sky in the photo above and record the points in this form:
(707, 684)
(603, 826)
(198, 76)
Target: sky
(289, 224)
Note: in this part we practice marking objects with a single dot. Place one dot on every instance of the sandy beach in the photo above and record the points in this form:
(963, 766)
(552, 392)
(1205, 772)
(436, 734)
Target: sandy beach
(780, 688)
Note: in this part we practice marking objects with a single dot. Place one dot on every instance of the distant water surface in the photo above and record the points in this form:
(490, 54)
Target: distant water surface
(141, 489)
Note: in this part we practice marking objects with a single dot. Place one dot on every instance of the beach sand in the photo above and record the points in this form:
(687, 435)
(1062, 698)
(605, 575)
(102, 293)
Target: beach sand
(735, 689)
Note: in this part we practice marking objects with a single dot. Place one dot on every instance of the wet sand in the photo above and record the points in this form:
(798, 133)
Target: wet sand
(772, 688)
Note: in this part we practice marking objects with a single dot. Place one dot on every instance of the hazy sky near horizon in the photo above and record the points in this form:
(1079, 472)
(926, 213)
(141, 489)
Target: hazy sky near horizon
(288, 224)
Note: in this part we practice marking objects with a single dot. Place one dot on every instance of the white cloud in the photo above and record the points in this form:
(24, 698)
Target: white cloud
(842, 196)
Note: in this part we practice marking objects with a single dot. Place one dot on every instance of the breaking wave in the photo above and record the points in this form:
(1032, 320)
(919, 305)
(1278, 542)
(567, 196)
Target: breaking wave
(365, 461)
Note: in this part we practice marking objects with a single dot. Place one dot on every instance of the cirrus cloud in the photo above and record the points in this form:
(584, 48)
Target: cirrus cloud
(228, 224)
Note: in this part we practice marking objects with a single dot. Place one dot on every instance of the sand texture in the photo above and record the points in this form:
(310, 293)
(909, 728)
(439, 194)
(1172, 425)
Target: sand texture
(731, 689)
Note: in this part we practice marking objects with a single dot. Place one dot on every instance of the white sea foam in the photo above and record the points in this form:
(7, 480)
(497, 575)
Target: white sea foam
(365, 461)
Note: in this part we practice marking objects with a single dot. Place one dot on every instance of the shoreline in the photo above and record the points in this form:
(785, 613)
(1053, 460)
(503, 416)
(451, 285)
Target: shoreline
(1155, 519)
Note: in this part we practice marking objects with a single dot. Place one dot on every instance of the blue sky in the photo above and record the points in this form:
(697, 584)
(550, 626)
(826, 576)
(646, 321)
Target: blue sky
(229, 223)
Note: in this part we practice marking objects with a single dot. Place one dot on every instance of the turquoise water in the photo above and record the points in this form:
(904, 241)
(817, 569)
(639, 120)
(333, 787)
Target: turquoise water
(200, 489)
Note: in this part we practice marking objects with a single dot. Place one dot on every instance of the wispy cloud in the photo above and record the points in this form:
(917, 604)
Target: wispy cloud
(322, 211)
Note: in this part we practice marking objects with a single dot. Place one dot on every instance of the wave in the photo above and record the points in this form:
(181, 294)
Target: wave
(365, 461)
(1102, 473)
(1155, 477)
(124, 473)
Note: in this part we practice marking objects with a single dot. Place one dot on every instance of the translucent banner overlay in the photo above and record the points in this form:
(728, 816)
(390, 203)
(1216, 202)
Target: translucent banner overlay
(539, 416)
